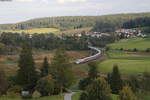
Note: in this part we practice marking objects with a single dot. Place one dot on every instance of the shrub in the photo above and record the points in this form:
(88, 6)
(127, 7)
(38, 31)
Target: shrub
(148, 50)
(46, 85)
(135, 50)
(36, 94)
(121, 49)
(15, 89)
(12, 94)
(127, 94)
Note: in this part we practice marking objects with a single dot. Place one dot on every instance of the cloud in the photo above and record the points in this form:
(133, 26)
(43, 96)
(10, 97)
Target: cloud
(73, 1)
(24, 0)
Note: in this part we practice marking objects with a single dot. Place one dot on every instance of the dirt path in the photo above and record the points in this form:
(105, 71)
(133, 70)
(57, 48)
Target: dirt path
(68, 96)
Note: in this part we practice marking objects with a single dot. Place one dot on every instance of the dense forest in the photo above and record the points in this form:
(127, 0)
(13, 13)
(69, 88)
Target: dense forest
(143, 23)
(73, 22)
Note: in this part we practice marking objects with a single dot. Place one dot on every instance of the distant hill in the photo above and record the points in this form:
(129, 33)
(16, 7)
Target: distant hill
(71, 22)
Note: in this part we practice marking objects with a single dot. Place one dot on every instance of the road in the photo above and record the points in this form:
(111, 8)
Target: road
(68, 96)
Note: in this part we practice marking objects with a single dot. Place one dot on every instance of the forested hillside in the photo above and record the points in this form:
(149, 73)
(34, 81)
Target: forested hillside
(72, 22)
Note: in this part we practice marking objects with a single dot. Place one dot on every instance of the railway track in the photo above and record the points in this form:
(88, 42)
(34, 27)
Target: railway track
(90, 58)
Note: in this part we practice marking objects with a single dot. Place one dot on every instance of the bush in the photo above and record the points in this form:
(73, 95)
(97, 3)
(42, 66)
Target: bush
(12, 94)
(46, 85)
(15, 89)
(147, 50)
(36, 94)
(121, 49)
(135, 50)
(108, 48)
(84, 83)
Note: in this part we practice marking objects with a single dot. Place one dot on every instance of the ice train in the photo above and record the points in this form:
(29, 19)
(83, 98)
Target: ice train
(98, 54)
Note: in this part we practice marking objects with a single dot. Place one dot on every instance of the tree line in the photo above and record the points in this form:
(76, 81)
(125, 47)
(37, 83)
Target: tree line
(71, 22)
(52, 78)
(12, 42)
(97, 87)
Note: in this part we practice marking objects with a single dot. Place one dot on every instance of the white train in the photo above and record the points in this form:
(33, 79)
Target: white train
(90, 57)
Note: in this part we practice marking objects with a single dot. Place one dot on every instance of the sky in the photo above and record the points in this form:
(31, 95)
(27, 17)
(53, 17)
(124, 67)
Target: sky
(12, 11)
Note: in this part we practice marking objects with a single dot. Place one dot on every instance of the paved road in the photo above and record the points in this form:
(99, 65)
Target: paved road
(68, 96)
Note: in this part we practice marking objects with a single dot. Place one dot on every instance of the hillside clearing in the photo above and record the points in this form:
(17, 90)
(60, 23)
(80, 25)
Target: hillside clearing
(34, 30)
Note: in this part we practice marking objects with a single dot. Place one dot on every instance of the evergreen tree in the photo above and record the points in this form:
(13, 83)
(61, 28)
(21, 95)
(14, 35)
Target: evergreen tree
(115, 80)
(126, 94)
(61, 69)
(3, 82)
(93, 72)
(45, 68)
(83, 96)
(99, 90)
(26, 76)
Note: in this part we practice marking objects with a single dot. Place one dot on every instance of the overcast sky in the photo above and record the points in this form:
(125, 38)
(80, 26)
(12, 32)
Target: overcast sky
(20, 10)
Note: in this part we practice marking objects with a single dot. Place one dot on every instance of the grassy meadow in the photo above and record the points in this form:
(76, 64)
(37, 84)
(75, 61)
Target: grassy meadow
(128, 62)
(131, 43)
(9, 62)
(34, 30)
(74, 31)
(55, 97)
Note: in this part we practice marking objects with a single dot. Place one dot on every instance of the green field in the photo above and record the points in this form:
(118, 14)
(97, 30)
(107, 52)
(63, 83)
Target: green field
(130, 44)
(56, 97)
(128, 62)
(34, 30)
(77, 96)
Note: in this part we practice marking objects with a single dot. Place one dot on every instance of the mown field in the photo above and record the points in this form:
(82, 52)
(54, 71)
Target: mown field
(48, 30)
(128, 62)
(74, 31)
(34, 30)
(55, 97)
(130, 44)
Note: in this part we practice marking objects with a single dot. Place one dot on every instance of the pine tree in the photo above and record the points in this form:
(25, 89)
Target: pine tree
(115, 80)
(26, 76)
(93, 72)
(61, 69)
(99, 90)
(45, 68)
(126, 94)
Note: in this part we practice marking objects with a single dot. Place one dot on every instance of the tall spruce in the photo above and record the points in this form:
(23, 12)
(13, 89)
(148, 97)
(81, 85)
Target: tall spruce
(115, 80)
(99, 90)
(61, 69)
(93, 72)
(27, 75)
(45, 68)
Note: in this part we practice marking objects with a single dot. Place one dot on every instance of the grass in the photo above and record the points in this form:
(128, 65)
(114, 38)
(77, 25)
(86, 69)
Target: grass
(34, 30)
(77, 96)
(56, 97)
(147, 97)
(129, 44)
(74, 31)
(128, 62)
(9, 62)
(125, 66)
